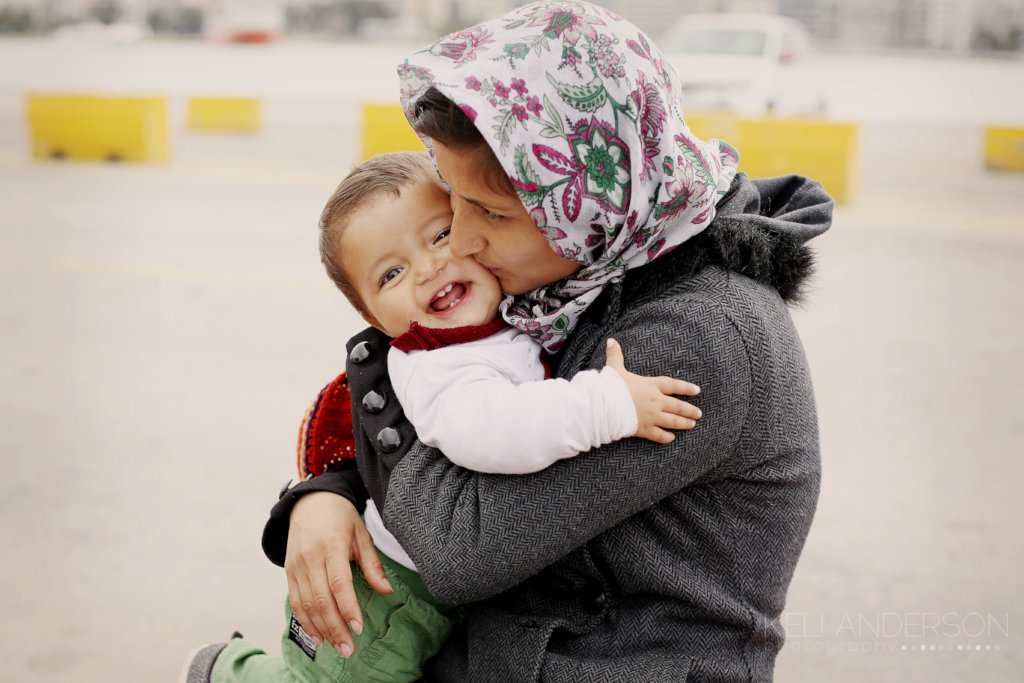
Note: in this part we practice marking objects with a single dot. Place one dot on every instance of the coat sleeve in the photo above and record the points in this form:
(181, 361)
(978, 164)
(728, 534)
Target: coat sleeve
(343, 480)
(474, 535)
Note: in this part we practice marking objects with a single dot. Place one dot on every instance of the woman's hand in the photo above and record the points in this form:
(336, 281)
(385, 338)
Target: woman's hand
(325, 534)
(653, 397)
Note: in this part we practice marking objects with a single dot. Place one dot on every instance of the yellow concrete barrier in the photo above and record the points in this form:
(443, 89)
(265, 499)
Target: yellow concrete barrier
(224, 113)
(386, 130)
(98, 128)
(822, 150)
(1004, 148)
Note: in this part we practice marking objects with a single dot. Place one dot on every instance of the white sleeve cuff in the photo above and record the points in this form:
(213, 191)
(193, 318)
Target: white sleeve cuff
(623, 421)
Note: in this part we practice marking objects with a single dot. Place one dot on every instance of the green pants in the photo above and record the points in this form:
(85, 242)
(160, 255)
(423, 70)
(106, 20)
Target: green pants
(400, 632)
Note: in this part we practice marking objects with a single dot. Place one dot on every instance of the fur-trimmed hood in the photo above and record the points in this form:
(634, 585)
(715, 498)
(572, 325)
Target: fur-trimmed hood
(761, 231)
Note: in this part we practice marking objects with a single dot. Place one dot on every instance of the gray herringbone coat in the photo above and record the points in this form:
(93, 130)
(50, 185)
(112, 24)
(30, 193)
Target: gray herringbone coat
(639, 561)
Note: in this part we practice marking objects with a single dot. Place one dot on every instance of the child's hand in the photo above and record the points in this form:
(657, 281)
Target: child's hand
(656, 407)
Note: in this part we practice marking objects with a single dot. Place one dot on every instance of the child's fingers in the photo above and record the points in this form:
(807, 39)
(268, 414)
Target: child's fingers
(613, 355)
(672, 386)
(658, 435)
(673, 421)
(680, 407)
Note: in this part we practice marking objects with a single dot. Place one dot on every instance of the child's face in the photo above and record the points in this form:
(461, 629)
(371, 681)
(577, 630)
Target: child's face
(395, 252)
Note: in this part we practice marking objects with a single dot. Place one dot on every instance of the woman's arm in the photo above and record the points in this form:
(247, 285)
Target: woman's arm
(474, 535)
(343, 481)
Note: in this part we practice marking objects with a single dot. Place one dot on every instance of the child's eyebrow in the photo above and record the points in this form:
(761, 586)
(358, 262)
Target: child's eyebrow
(375, 266)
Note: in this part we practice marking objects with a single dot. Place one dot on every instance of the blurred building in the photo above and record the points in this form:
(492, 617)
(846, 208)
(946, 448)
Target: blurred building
(656, 16)
(950, 25)
(957, 25)
(243, 20)
(936, 24)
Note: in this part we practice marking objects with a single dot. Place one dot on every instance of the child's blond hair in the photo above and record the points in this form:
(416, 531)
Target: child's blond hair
(385, 173)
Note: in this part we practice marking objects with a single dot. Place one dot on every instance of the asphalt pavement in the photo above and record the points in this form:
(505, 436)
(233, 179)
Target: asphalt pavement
(165, 326)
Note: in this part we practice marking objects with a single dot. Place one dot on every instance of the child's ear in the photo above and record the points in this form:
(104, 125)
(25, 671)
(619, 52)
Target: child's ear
(372, 322)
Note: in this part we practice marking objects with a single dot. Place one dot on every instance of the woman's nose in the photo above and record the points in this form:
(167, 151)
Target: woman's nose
(466, 238)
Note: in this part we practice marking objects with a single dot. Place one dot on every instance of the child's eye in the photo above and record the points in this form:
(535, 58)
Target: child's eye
(389, 275)
(442, 236)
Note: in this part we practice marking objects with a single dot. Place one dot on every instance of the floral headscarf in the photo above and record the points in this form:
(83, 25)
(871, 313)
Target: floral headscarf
(584, 116)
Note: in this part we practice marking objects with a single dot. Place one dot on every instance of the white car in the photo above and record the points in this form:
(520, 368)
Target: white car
(748, 64)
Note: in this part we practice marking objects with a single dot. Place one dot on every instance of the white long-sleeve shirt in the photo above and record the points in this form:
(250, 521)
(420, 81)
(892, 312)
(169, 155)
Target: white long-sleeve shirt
(486, 405)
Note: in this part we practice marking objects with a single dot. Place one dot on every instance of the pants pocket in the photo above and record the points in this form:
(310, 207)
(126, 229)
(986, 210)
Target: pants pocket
(401, 632)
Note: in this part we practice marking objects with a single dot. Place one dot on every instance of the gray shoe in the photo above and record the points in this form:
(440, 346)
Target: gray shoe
(199, 662)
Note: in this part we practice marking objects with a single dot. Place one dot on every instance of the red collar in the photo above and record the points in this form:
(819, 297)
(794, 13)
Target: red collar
(429, 338)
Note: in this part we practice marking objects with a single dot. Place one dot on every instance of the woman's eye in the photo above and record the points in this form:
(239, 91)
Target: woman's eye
(442, 236)
(390, 275)
(490, 214)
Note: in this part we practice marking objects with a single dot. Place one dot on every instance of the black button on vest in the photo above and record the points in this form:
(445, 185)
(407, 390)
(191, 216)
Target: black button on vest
(374, 403)
(360, 352)
(388, 440)
(595, 604)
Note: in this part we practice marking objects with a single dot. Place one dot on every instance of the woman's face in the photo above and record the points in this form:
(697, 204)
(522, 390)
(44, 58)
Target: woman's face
(494, 228)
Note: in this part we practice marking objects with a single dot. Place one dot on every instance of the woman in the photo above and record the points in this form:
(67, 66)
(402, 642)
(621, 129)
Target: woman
(575, 179)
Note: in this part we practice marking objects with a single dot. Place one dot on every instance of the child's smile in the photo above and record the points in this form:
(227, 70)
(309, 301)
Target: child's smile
(449, 297)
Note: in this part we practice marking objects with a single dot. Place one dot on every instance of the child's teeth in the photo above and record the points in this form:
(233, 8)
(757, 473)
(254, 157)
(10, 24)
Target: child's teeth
(444, 291)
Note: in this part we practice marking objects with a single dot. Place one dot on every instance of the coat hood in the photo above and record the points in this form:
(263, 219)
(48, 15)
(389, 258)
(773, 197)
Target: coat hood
(761, 231)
